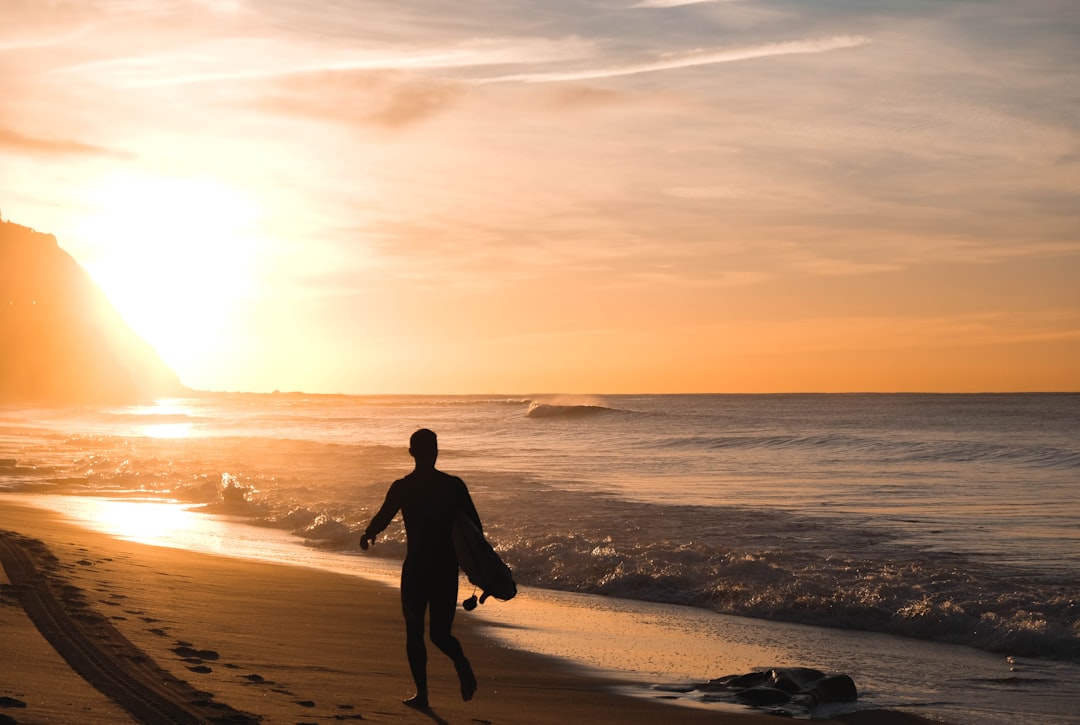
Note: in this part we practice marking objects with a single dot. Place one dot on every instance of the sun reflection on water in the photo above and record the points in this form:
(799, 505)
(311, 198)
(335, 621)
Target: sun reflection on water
(167, 430)
(148, 522)
(173, 415)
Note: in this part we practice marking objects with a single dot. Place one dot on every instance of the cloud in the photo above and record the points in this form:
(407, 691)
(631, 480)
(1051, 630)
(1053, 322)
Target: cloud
(690, 59)
(45, 39)
(250, 59)
(579, 97)
(674, 3)
(22, 143)
(379, 98)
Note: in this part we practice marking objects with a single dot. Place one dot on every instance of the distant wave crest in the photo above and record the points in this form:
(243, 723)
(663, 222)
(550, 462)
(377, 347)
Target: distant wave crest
(552, 410)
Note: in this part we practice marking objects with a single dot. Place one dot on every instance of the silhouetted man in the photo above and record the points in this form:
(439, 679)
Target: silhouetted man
(428, 500)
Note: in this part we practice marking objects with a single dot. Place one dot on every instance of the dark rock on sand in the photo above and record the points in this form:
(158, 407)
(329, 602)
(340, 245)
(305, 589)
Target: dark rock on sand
(798, 687)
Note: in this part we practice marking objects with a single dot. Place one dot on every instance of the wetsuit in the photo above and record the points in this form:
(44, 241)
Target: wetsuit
(428, 500)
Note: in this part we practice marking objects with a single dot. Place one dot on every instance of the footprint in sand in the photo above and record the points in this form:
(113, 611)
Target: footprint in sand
(257, 679)
(184, 650)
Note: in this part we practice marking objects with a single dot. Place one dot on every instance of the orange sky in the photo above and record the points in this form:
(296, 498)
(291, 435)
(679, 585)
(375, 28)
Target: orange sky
(656, 196)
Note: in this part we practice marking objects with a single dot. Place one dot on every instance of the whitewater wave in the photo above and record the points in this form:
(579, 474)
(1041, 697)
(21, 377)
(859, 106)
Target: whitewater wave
(936, 598)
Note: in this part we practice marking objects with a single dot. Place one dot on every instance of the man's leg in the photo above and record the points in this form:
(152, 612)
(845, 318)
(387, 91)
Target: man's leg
(413, 605)
(443, 607)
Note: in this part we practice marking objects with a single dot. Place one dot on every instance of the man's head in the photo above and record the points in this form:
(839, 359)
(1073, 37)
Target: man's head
(424, 447)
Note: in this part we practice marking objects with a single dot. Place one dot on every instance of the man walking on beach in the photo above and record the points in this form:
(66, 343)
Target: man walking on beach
(428, 500)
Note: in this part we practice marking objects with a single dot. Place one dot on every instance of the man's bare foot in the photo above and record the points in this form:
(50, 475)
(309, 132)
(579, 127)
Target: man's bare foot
(467, 679)
(417, 702)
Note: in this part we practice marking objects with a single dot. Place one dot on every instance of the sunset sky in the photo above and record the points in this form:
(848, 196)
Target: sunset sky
(558, 196)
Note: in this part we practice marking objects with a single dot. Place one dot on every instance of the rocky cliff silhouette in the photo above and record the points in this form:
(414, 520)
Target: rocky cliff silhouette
(61, 340)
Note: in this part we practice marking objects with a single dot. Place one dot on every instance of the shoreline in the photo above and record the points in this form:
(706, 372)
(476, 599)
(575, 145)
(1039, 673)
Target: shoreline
(278, 642)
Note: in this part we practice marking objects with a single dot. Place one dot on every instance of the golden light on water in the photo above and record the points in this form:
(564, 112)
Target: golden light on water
(169, 427)
(143, 521)
(167, 430)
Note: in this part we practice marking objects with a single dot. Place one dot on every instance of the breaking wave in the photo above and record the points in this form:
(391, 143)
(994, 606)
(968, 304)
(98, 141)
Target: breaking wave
(808, 579)
(547, 410)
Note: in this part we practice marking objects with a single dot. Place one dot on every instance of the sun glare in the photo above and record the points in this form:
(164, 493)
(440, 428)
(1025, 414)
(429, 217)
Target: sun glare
(144, 521)
(174, 255)
(173, 419)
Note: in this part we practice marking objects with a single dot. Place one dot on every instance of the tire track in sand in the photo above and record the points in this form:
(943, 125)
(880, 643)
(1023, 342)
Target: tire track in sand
(99, 652)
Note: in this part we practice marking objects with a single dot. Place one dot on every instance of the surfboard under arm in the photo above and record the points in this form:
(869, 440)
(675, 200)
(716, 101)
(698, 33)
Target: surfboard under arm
(481, 563)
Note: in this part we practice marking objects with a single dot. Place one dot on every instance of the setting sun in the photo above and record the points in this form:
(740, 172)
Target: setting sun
(175, 256)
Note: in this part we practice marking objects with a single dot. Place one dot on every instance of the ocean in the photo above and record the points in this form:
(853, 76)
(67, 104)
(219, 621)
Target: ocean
(944, 529)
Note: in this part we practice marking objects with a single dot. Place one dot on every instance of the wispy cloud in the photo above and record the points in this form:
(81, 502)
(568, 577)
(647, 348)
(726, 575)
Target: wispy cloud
(162, 70)
(44, 40)
(13, 140)
(388, 99)
(241, 59)
(690, 59)
(675, 3)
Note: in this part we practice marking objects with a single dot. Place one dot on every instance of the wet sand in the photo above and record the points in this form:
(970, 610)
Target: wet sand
(103, 630)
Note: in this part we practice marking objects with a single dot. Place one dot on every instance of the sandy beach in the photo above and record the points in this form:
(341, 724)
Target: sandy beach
(103, 630)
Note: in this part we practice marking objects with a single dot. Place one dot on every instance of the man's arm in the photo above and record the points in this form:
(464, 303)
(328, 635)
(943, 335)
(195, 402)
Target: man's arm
(382, 519)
